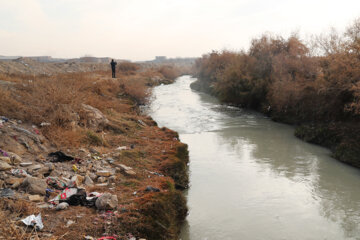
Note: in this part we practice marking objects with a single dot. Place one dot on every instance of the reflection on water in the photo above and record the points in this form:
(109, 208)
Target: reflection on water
(251, 178)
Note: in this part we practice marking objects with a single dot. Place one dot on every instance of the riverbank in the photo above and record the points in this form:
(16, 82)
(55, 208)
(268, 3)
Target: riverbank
(85, 131)
(341, 137)
(314, 87)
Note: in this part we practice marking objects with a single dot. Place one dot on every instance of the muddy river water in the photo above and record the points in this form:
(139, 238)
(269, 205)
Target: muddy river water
(250, 178)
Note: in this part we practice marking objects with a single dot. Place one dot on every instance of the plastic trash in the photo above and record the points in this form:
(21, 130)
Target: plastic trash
(19, 173)
(59, 157)
(5, 154)
(56, 183)
(121, 148)
(34, 221)
(65, 194)
(43, 124)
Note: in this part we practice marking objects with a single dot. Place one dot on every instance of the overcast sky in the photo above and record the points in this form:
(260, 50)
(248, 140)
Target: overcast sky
(142, 29)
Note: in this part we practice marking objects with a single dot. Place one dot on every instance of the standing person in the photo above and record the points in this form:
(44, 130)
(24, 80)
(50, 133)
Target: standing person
(113, 65)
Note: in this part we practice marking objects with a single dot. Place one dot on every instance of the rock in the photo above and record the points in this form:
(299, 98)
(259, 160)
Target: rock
(6, 192)
(15, 159)
(35, 198)
(51, 166)
(5, 159)
(92, 176)
(112, 179)
(78, 180)
(34, 168)
(130, 172)
(95, 118)
(26, 164)
(104, 173)
(34, 185)
(94, 151)
(14, 182)
(43, 206)
(36, 138)
(127, 170)
(101, 185)
(101, 180)
(107, 201)
(42, 171)
(4, 166)
(62, 206)
(151, 189)
(124, 167)
(88, 181)
(55, 173)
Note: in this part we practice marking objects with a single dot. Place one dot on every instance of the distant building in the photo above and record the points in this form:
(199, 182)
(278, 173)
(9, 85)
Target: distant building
(160, 59)
(40, 58)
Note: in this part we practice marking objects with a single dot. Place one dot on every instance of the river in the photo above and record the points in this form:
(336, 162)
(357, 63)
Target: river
(250, 178)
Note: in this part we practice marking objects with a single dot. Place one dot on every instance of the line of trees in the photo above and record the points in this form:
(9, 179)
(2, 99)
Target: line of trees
(296, 81)
(315, 85)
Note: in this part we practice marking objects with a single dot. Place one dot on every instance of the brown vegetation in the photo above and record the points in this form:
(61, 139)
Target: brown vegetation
(156, 155)
(292, 81)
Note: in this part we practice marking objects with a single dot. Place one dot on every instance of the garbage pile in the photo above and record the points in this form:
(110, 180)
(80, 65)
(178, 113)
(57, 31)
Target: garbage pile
(50, 178)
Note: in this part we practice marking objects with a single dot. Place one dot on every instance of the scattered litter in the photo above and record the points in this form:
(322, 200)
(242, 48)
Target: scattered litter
(36, 131)
(121, 148)
(48, 191)
(26, 164)
(142, 123)
(62, 206)
(5, 154)
(34, 221)
(65, 194)
(19, 173)
(43, 124)
(151, 189)
(108, 237)
(156, 173)
(74, 168)
(56, 183)
(96, 157)
(5, 119)
(59, 157)
(69, 223)
(74, 197)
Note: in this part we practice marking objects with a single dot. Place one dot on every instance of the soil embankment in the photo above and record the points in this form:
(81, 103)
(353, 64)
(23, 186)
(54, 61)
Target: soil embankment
(79, 139)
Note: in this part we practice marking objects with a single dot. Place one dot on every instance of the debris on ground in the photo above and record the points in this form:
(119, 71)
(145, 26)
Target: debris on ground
(34, 221)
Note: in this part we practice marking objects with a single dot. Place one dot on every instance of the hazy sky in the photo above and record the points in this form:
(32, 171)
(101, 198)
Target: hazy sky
(142, 29)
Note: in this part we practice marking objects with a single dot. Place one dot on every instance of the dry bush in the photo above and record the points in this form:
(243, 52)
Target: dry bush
(169, 72)
(136, 88)
(283, 74)
(128, 68)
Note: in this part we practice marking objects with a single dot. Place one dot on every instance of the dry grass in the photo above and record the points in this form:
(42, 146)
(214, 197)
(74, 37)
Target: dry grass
(58, 100)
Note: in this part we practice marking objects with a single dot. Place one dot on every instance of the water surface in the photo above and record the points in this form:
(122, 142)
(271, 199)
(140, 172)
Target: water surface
(251, 178)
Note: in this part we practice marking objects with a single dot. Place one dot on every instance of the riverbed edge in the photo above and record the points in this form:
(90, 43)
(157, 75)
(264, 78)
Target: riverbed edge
(340, 137)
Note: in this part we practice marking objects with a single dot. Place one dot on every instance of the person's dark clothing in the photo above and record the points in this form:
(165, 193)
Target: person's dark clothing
(113, 65)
